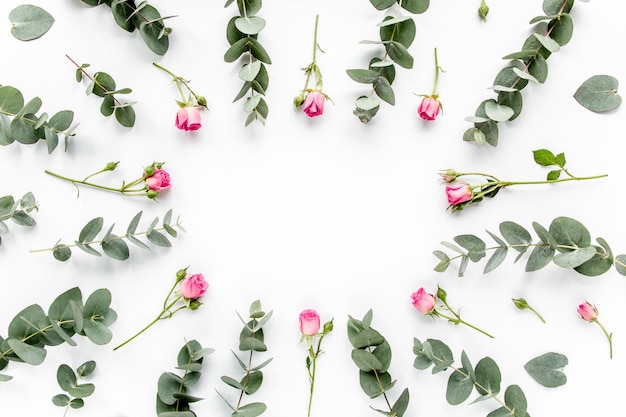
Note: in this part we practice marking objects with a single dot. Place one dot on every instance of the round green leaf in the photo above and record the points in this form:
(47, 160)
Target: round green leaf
(11, 100)
(125, 116)
(488, 377)
(66, 377)
(569, 233)
(599, 93)
(620, 264)
(547, 369)
(498, 112)
(29, 22)
(61, 400)
(61, 253)
(250, 25)
(459, 388)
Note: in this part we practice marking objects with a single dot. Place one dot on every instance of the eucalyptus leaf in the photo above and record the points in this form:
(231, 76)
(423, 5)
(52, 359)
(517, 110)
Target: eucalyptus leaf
(29, 22)
(599, 94)
(547, 369)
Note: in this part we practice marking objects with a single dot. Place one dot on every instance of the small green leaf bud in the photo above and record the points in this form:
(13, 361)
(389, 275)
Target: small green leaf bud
(483, 10)
(111, 166)
(520, 303)
(194, 304)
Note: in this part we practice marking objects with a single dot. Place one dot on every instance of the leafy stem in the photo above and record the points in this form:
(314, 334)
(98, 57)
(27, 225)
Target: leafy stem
(81, 68)
(40, 331)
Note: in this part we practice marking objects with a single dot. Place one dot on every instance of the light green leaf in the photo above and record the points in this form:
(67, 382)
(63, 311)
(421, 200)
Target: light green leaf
(66, 377)
(547, 42)
(620, 264)
(32, 355)
(115, 248)
(498, 112)
(29, 22)
(250, 410)
(91, 230)
(250, 25)
(547, 369)
(60, 400)
(125, 116)
(518, 237)
(367, 103)
(599, 93)
(460, 386)
(574, 258)
(11, 100)
(569, 233)
(249, 71)
(487, 376)
(363, 76)
(365, 360)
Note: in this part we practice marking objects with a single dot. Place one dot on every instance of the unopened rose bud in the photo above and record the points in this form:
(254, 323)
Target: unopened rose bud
(587, 312)
(111, 166)
(483, 10)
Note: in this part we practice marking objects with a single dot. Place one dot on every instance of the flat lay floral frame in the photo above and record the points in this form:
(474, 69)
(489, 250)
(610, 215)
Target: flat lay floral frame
(300, 212)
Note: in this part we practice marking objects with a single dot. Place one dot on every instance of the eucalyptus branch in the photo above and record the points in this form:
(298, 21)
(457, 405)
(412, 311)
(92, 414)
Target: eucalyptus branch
(251, 339)
(103, 85)
(31, 329)
(397, 33)
(145, 18)
(242, 34)
(113, 245)
(566, 242)
(69, 382)
(26, 127)
(529, 64)
(17, 210)
(371, 353)
(485, 377)
(170, 386)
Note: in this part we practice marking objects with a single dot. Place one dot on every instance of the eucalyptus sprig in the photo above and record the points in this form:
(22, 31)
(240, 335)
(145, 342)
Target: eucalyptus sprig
(242, 33)
(461, 194)
(17, 210)
(113, 245)
(145, 18)
(528, 64)
(69, 382)
(485, 377)
(397, 33)
(103, 85)
(251, 339)
(372, 355)
(566, 242)
(32, 329)
(173, 399)
(19, 121)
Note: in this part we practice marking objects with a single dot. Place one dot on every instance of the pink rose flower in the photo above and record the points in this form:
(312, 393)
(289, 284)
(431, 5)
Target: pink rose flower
(158, 181)
(314, 104)
(423, 301)
(587, 312)
(309, 322)
(429, 108)
(188, 118)
(458, 192)
(193, 286)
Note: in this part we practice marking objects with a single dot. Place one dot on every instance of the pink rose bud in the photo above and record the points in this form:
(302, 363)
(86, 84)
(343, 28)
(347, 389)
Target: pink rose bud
(587, 312)
(309, 322)
(458, 192)
(188, 118)
(429, 108)
(158, 181)
(423, 301)
(314, 104)
(193, 286)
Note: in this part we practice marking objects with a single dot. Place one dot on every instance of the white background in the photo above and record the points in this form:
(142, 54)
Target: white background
(325, 213)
